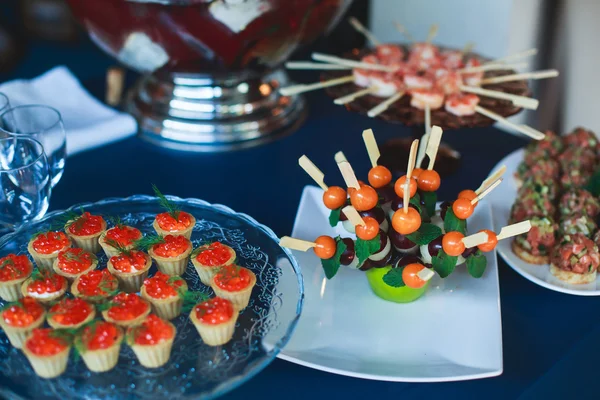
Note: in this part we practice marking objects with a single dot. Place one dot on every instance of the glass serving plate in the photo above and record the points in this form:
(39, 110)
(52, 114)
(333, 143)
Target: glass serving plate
(194, 370)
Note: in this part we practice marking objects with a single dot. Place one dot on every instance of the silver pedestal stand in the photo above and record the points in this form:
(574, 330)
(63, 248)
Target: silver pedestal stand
(196, 112)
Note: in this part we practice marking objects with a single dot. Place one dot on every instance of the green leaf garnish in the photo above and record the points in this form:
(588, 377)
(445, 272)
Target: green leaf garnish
(106, 306)
(426, 233)
(202, 247)
(191, 298)
(366, 248)
(334, 216)
(167, 204)
(6, 262)
(332, 265)
(444, 264)
(430, 200)
(118, 247)
(453, 223)
(476, 264)
(416, 201)
(148, 242)
(68, 219)
(116, 221)
(593, 185)
(393, 277)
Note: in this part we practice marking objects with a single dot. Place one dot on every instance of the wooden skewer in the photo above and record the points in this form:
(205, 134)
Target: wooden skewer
(296, 89)
(351, 63)
(515, 56)
(348, 175)
(514, 229)
(475, 239)
(400, 28)
(492, 178)
(486, 192)
(435, 137)
(296, 244)
(115, 78)
(490, 67)
(362, 29)
(526, 130)
(340, 157)
(468, 48)
(519, 101)
(353, 96)
(312, 170)
(353, 216)
(371, 145)
(378, 109)
(550, 73)
(427, 119)
(425, 274)
(433, 31)
(412, 158)
(312, 65)
(425, 138)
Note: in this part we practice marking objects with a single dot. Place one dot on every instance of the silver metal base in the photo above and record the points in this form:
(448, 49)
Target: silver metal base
(196, 112)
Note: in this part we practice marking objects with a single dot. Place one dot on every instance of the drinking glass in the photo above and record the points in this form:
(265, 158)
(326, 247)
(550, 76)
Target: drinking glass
(25, 181)
(43, 124)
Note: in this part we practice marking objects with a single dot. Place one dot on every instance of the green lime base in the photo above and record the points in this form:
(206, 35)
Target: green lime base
(402, 294)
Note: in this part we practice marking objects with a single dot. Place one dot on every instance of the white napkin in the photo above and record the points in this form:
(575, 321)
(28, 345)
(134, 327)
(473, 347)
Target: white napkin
(88, 122)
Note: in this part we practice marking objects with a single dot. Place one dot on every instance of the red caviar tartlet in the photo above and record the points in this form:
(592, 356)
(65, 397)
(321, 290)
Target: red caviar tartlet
(207, 259)
(70, 314)
(126, 309)
(44, 248)
(131, 268)
(152, 341)
(165, 294)
(96, 286)
(85, 230)
(215, 320)
(74, 262)
(235, 284)
(48, 351)
(171, 254)
(45, 286)
(14, 270)
(18, 319)
(176, 223)
(99, 343)
(120, 237)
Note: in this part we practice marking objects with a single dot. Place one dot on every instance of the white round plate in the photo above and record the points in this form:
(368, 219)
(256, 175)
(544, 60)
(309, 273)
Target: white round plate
(502, 200)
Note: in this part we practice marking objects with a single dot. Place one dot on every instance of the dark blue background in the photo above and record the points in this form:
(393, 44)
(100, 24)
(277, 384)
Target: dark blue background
(551, 340)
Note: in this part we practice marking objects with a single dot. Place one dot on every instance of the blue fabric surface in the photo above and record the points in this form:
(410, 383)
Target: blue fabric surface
(551, 340)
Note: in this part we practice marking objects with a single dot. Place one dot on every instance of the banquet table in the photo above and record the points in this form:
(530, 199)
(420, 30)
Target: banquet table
(551, 340)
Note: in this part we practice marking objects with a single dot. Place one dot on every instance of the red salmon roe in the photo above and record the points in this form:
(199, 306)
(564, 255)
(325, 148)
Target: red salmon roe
(50, 242)
(23, 313)
(46, 342)
(232, 278)
(46, 282)
(127, 306)
(166, 221)
(100, 335)
(162, 286)
(87, 224)
(14, 267)
(75, 260)
(214, 311)
(152, 331)
(97, 283)
(123, 235)
(215, 254)
(131, 262)
(172, 246)
(71, 311)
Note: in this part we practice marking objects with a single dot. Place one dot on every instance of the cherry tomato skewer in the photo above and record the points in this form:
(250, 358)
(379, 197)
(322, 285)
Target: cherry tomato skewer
(491, 243)
(325, 247)
(410, 276)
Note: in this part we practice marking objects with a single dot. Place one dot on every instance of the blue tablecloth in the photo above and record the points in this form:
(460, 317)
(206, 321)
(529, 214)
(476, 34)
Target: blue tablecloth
(551, 340)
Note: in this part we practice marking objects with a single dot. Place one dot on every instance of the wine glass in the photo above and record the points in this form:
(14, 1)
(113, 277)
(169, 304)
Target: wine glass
(44, 124)
(25, 181)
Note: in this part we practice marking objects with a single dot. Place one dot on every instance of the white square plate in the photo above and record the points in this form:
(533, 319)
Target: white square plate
(453, 332)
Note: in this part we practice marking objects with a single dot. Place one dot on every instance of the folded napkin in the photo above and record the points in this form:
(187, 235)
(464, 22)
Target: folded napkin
(88, 123)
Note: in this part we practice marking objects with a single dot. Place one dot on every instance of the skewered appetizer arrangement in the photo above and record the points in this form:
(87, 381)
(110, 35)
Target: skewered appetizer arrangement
(401, 243)
(94, 309)
(402, 82)
(558, 193)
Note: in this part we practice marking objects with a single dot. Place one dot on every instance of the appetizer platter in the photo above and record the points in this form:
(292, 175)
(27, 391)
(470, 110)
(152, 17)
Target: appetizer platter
(392, 243)
(142, 297)
(556, 186)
